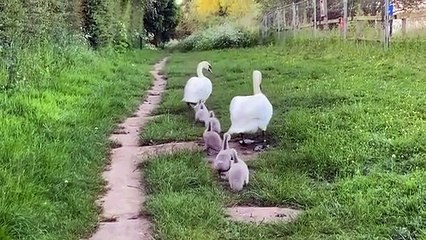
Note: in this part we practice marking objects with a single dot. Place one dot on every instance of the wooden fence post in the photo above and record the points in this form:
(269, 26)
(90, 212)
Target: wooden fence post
(279, 24)
(315, 17)
(345, 18)
(297, 16)
(358, 29)
(305, 13)
(294, 18)
(325, 6)
(284, 18)
(404, 27)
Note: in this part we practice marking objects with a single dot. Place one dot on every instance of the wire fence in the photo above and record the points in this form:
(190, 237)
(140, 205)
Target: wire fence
(349, 19)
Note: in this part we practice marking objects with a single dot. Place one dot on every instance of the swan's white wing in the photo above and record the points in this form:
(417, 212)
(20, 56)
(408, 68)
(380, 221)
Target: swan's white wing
(190, 91)
(248, 113)
(264, 111)
(197, 89)
(251, 107)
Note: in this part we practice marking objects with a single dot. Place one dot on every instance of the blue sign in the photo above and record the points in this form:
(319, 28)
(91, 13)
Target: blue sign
(390, 9)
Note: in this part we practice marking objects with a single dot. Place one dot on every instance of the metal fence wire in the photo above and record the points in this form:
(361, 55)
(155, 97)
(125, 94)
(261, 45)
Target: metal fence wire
(357, 19)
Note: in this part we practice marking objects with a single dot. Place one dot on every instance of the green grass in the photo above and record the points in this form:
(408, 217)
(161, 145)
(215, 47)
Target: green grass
(186, 203)
(177, 207)
(348, 131)
(54, 142)
(179, 128)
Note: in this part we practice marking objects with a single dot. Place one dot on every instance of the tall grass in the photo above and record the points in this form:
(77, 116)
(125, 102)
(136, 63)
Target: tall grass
(58, 104)
(59, 100)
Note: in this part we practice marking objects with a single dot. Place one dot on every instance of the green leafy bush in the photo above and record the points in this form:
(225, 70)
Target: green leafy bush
(217, 37)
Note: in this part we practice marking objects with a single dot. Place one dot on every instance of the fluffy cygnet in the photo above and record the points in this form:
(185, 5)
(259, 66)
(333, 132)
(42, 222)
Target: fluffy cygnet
(212, 140)
(222, 162)
(201, 112)
(238, 175)
(215, 122)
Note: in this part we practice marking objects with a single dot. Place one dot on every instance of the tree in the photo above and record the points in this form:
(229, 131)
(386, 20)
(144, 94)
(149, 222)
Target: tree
(160, 20)
(136, 27)
(97, 22)
(223, 8)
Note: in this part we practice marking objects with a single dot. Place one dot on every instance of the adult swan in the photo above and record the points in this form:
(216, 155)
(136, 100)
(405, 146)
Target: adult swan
(198, 88)
(250, 113)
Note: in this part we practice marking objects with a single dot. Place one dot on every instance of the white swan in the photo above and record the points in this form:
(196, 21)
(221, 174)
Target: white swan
(250, 113)
(198, 88)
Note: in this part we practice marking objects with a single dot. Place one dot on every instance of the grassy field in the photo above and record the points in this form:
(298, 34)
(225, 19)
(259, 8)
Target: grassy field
(54, 142)
(348, 144)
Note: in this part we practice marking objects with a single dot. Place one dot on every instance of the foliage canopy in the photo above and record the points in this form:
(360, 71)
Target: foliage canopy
(161, 19)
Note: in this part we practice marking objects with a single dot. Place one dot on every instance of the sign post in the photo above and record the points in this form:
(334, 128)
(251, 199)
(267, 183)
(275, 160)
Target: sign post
(386, 25)
(390, 13)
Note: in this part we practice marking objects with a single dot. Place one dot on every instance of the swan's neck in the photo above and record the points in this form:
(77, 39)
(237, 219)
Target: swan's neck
(234, 156)
(256, 87)
(209, 128)
(225, 143)
(200, 71)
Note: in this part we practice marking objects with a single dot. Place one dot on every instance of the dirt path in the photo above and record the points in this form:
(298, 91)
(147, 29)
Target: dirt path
(121, 206)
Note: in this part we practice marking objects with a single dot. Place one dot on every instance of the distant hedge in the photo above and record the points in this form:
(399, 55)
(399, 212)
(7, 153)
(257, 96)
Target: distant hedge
(217, 37)
(102, 22)
(40, 37)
